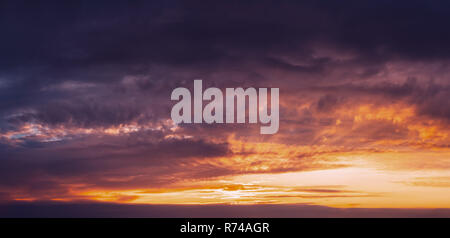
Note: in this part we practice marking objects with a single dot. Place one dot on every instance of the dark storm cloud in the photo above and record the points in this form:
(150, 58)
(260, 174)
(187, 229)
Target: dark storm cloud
(85, 33)
(43, 171)
(431, 99)
(83, 114)
(81, 34)
(114, 152)
(47, 43)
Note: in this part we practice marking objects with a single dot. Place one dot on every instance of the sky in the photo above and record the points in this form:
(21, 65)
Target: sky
(364, 107)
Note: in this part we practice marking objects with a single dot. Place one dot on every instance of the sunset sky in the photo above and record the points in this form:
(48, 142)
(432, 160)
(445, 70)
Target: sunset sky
(364, 103)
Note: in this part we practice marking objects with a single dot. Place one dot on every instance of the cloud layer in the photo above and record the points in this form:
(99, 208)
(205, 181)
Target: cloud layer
(85, 101)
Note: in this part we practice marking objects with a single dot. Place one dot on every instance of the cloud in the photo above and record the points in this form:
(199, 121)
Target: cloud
(85, 90)
(430, 182)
